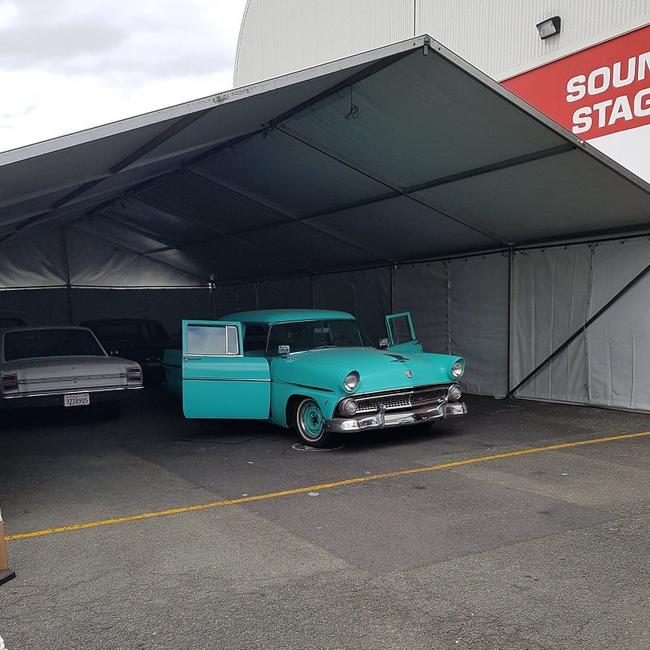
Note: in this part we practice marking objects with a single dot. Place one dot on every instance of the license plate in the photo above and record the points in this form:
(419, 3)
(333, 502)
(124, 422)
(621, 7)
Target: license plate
(79, 399)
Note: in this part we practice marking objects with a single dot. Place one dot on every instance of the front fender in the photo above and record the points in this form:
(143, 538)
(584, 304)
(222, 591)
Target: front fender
(283, 392)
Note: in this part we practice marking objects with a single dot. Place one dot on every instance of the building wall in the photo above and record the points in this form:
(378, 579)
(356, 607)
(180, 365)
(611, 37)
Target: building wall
(500, 38)
(497, 36)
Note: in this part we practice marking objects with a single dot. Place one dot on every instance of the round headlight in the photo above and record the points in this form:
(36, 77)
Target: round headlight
(457, 370)
(349, 407)
(351, 382)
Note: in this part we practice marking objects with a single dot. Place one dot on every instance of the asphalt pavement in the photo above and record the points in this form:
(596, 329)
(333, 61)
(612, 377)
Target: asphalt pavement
(546, 549)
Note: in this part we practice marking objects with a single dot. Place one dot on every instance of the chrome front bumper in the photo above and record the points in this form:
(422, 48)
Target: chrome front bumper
(383, 419)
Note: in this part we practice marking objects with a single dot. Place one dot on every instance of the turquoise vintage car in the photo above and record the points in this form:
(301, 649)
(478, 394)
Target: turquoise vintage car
(312, 370)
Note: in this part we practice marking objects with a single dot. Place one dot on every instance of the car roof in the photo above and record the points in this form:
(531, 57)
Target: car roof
(29, 328)
(271, 316)
(117, 321)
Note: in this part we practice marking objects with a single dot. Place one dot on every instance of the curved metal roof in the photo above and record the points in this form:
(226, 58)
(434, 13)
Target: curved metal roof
(399, 154)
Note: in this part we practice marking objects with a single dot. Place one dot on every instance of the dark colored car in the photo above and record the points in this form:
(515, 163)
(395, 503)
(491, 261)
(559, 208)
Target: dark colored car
(7, 322)
(140, 339)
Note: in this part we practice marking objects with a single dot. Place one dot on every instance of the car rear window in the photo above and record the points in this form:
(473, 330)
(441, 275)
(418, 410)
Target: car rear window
(36, 344)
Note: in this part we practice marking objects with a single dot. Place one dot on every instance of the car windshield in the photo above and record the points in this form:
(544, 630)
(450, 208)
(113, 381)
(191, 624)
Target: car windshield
(313, 335)
(35, 344)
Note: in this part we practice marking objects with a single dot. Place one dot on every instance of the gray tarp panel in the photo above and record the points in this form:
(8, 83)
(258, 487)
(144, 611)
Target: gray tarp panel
(619, 342)
(36, 306)
(555, 292)
(94, 263)
(423, 289)
(372, 300)
(29, 263)
(335, 291)
(478, 321)
(551, 292)
(461, 307)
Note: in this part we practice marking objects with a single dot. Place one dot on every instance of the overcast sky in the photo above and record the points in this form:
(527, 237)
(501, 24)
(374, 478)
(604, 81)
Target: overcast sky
(66, 65)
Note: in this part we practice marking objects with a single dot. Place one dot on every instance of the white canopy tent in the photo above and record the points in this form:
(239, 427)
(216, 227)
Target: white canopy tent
(397, 179)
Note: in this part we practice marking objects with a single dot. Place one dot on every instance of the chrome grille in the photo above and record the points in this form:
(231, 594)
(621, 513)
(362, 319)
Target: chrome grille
(401, 400)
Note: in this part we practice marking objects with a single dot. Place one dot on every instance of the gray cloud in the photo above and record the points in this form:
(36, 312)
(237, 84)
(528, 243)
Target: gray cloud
(119, 39)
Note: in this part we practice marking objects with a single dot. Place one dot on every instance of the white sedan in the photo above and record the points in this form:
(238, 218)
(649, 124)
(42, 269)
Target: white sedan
(62, 366)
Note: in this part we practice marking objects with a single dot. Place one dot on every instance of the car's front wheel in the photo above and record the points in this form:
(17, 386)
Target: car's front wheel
(309, 422)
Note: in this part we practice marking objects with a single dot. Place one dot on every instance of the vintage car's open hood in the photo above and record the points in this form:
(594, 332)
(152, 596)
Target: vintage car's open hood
(380, 370)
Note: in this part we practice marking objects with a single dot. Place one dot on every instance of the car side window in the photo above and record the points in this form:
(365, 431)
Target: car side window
(401, 329)
(212, 340)
(255, 338)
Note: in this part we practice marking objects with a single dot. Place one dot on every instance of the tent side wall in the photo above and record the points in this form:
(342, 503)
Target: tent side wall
(459, 306)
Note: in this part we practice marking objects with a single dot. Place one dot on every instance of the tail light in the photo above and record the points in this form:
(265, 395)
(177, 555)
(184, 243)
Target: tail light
(134, 375)
(10, 383)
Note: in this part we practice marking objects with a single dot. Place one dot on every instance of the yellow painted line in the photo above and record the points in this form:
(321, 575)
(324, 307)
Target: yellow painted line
(322, 486)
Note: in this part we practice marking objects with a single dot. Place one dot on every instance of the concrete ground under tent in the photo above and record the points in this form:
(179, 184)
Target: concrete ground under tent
(544, 550)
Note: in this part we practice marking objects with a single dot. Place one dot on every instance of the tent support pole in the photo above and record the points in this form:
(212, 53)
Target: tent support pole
(630, 285)
(213, 296)
(510, 311)
(68, 279)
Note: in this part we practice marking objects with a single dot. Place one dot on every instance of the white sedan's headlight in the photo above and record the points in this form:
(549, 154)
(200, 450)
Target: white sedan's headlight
(457, 370)
(351, 382)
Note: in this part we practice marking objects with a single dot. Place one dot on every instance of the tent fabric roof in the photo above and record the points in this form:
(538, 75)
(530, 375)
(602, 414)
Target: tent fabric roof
(395, 155)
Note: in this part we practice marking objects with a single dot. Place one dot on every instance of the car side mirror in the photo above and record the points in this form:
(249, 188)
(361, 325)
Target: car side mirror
(383, 344)
(284, 350)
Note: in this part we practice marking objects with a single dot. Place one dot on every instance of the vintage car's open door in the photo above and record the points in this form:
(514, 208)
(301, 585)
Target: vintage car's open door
(218, 380)
(401, 333)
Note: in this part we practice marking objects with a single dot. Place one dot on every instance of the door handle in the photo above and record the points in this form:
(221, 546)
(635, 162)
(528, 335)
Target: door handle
(192, 358)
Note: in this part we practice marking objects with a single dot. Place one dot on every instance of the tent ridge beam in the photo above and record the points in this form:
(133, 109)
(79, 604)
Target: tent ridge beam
(165, 245)
(398, 191)
(492, 167)
(283, 117)
(290, 219)
(453, 178)
(342, 85)
(173, 129)
(108, 240)
(221, 234)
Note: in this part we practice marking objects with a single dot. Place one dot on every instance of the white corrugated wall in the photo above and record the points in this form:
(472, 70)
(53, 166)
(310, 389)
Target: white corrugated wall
(498, 36)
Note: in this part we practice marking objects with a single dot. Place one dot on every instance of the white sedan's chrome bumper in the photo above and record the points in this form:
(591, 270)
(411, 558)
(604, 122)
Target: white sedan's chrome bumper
(383, 419)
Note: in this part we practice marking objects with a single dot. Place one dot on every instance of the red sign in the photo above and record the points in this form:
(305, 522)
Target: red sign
(598, 91)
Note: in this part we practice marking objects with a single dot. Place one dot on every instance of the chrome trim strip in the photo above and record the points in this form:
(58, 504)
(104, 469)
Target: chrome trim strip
(264, 381)
(383, 420)
(76, 391)
(404, 391)
(52, 380)
(436, 393)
